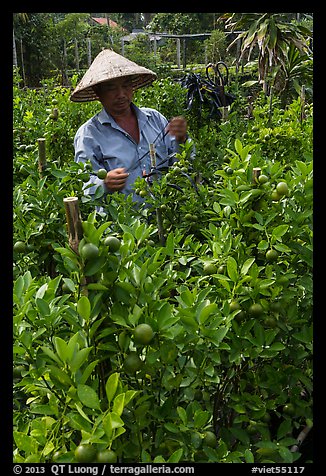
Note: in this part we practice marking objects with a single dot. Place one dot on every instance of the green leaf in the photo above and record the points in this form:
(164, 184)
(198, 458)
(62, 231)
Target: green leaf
(92, 267)
(169, 244)
(78, 359)
(111, 421)
(81, 412)
(43, 409)
(129, 395)
(62, 377)
(171, 427)
(285, 428)
(183, 415)
(231, 266)
(263, 245)
(43, 307)
(88, 396)
(111, 386)
(206, 310)
(176, 456)
(84, 308)
(238, 146)
(286, 454)
(25, 443)
(61, 348)
(201, 417)
(216, 336)
(118, 403)
(279, 231)
(51, 354)
(87, 372)
(246, 265)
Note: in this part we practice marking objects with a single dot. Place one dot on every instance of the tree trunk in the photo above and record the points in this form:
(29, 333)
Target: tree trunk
(76, 55)
(15, 61)
(89, 52)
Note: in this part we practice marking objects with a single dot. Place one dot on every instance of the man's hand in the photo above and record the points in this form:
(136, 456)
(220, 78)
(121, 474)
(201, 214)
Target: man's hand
(115, 179)
(178, 127)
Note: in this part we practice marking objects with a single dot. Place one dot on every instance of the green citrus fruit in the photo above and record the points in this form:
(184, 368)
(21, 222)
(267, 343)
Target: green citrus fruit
(89, 251)
(106, 456)
(229, 170)
(17, 372)
(234, 306)
(262, 178)
(143, 334)
(210, 439)
(188, 216)
(271, 255)
(270, 322)
(209, 269)
(289, 409)
(283, 280)
(85, 454)
(142, 193)
(101, 174)
(20, 247)
(275, 196)
(255, 310)
(282, 188)
(113, 243)
(132, 363)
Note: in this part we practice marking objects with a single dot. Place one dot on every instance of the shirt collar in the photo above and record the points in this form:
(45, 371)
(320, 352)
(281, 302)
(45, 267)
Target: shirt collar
(105, 118)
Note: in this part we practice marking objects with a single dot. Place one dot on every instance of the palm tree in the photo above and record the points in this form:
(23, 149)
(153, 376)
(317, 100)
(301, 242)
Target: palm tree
(272, 35)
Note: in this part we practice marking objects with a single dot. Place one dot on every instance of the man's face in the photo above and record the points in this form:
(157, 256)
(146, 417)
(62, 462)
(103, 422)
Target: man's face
(116, 95)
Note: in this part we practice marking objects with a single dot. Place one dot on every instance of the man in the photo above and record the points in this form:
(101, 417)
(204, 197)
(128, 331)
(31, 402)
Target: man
(118, 137)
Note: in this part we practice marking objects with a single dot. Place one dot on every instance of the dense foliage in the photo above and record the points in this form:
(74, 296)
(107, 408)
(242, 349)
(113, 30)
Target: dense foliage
(224, 373)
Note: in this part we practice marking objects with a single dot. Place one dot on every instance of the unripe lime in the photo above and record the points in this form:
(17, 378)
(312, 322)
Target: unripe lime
(132, 362)
(85, 454)
(262, 178)
(106, 456)
(113, 243)
(255, 310)
(20, 247)
(89, 251)
(143, 334)
(271, 255)
(210, 439)
(101, 174)
(209, 269)
(282, 188)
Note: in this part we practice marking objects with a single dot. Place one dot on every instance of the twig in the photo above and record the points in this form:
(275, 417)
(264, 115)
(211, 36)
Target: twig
(301, 437)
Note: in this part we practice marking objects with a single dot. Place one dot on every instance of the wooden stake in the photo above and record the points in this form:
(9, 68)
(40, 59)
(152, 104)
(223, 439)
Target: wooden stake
(256, 171)
(225, 112)
(152, 154)
(41, 155)
(74, 222)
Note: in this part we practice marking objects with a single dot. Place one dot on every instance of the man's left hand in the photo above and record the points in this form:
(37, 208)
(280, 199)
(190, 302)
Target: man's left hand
(178, 127)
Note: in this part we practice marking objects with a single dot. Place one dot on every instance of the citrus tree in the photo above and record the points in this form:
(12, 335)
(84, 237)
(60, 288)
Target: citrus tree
(197, 348)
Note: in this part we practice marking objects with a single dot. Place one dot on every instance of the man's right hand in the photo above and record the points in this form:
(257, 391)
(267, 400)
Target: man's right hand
(115, 179)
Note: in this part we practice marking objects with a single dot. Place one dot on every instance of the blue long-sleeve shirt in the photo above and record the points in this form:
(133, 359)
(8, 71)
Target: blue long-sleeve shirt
(106, 145)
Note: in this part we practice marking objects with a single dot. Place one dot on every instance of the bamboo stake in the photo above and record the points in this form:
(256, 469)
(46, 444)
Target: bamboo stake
(41, 155)
(74, 222)
(301, 437)
(256, 171)
(159, 219)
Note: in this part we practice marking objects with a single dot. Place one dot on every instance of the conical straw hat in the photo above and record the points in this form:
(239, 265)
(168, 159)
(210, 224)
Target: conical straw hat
(110, 65)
